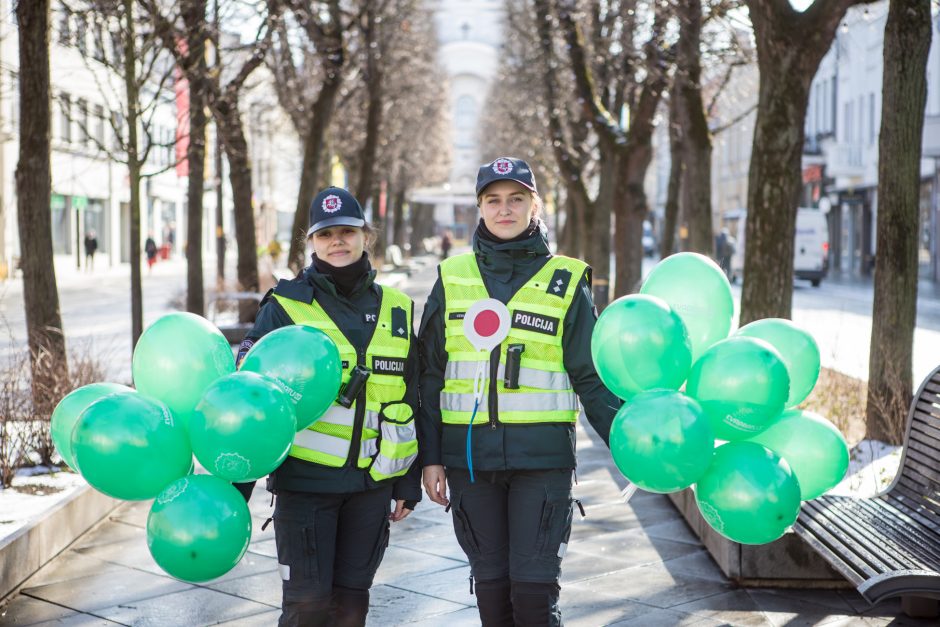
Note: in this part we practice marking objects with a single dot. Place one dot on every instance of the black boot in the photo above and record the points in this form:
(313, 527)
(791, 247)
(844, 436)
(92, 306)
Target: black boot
(536, 604)
(495, 603)
(350, 607)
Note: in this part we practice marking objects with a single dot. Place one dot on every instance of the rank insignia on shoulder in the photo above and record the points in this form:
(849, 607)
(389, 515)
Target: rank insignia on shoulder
(399, 323)
(558, 286)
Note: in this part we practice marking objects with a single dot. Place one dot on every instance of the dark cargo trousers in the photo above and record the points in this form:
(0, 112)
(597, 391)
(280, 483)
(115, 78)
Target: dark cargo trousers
(328, 549)
(514, 527)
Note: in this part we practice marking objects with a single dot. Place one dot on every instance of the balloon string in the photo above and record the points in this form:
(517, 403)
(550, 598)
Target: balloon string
(478, 389)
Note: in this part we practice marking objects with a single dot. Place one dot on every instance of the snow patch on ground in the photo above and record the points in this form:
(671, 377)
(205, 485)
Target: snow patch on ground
(872, 467)
(35, 491)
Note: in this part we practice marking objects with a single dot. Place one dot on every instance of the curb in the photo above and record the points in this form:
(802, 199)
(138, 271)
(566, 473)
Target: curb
(31, 547)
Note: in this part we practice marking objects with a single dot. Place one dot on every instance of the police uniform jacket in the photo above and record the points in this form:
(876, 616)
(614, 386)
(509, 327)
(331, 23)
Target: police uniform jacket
(356, 314)
(505, 267)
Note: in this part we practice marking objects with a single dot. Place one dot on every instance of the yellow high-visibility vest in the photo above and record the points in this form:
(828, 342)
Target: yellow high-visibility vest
(537, 315)
(388, 442)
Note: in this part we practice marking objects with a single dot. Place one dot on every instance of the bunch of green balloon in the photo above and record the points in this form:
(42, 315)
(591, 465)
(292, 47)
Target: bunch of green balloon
(198, 528)
(749, 494)
(129, 447)
(742, 384)
(243, 427)
(662, 441)
(797, 348)
(66, 414)
(812, 446)
(177, 358)
(305, 362)
(697, 289)
(639, 343)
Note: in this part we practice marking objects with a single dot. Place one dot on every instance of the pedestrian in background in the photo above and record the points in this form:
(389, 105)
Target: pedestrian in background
(150, 249)
(91, 247)
(446, 244)
(332, 513)
(509, 465)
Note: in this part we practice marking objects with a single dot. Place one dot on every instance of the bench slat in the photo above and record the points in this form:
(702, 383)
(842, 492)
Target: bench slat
(854, 567)
(915, 499)
(929, 409)
(825, 511)
(925, 432)
(903, 504)
(924, 461)
(932, 386)
(918, 541)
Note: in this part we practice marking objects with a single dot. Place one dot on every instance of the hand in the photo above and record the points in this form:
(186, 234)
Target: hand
(400, 512)
(435, 484)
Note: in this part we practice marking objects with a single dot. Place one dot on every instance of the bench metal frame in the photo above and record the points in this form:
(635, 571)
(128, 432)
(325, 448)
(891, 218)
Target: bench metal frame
(889, 545)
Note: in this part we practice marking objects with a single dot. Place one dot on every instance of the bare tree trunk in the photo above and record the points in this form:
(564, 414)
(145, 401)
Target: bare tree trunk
(398, 218)
(133, 168)
(667, 242)
(894, 311)
(697, 144)
(196, 162)
(33, 184)
(790, 46)
(379, 222)
(373, 79)
(628, 227)
(236, 149)
(219, 212)
(598, 250)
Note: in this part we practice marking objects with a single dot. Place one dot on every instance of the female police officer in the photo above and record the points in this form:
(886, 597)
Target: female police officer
(509, 466)
(331, 520)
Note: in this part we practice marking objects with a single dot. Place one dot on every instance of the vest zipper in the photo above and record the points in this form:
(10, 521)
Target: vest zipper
(493, 395)
(356, 443)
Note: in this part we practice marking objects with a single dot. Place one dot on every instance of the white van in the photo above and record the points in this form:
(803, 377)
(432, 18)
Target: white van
(810, 246)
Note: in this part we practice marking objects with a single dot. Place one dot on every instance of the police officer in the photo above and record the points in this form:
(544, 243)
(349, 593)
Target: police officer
(331, 518)
(512, 508)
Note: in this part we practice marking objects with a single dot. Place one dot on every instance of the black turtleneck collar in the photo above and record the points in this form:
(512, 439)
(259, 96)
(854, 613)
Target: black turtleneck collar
(501, 259)
(484, 233)
(347, 279)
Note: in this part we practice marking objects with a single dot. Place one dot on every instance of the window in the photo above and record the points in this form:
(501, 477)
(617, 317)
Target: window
(81, 34)
(871, 118)
(65, 118)
(834, 103)
(65, 27)
(98, 42)
(117, 49)
(860, 138)
(117, 120)
(99, 126)
(847, 123)
(84, 137)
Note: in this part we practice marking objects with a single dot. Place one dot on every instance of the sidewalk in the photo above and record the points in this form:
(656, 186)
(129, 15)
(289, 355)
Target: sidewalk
(628, 564)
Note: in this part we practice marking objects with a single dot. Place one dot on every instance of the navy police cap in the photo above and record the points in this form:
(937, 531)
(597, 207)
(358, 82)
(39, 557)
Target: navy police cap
(505, 169)
(334, 206)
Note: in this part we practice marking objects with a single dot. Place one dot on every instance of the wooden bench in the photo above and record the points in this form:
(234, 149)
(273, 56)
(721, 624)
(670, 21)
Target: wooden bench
(889, 545)
(222, 310)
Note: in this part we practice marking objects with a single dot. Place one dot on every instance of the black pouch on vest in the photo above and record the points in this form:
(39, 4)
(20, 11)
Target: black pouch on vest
(513, 362)
(349, 392)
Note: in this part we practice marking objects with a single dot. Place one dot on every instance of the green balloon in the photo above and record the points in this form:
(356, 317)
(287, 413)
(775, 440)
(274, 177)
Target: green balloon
(798, 349)
(67, 411)
(662, 441)
(742, 384)
(176, 359)
(129, 447)
(749, 494)
(243, 427)
(198, 528)
(305, 362)
(697, 289)
(639, 343)
(814, 448)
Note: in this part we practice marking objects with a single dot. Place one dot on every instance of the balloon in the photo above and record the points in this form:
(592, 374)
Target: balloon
(662, 441)
(129, 447)
(639, 343)
(176, 359)
(814, 448)
(749, 494)
(697, 289)
(198, 528)
(798, 349)
(742, 384)
(243, 427)
(67, 411)
(305, 362)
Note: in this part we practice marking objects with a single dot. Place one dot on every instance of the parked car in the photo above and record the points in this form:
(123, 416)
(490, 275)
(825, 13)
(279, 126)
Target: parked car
(810, 246)
(649, 241)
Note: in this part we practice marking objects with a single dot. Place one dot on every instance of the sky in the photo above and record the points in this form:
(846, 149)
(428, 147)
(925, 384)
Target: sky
(801, 4)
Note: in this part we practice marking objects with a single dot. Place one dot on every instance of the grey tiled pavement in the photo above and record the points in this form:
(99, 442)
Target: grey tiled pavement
(628, 564)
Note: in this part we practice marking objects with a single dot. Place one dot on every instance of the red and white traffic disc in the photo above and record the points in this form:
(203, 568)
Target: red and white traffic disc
(486, 324)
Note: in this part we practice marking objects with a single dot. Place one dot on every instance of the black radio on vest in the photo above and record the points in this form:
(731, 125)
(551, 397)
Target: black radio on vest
(349, 392)
(513, 361)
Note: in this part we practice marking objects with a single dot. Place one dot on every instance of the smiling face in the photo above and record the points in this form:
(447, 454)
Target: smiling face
(339, 246)
(506, 208)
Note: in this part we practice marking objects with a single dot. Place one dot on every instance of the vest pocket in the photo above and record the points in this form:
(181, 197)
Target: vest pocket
(554, 526)
(397, 441)
(464, 532)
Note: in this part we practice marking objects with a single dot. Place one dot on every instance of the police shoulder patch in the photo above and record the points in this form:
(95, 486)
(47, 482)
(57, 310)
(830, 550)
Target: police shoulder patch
(558, 286)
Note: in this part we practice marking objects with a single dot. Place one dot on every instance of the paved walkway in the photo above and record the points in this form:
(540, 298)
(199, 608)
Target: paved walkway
(628, 564)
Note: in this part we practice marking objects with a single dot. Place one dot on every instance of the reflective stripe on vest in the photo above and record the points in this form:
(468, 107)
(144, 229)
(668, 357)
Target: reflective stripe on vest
(537, 315)
(387, 448)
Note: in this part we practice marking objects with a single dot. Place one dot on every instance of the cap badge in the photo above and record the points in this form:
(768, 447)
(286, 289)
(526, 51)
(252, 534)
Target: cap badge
(502, 166)
(332, 203)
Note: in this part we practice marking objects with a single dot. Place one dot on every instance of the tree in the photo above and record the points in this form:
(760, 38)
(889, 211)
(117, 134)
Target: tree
(33, 188)
(894, 310)
(790, 46)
